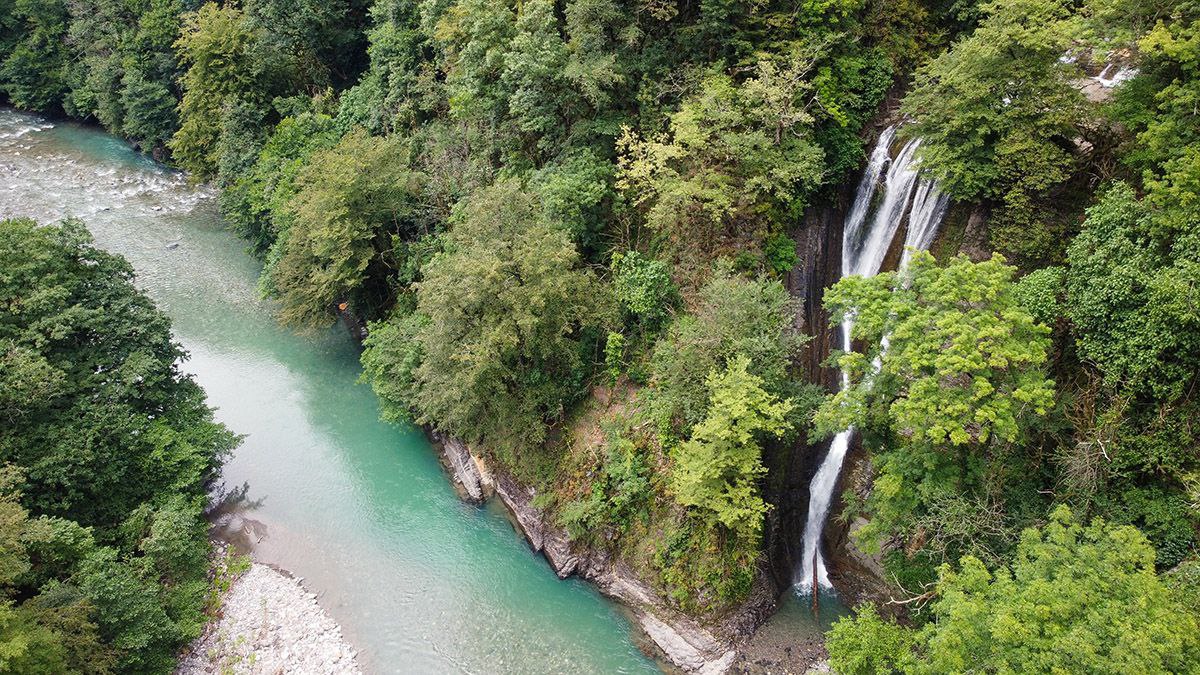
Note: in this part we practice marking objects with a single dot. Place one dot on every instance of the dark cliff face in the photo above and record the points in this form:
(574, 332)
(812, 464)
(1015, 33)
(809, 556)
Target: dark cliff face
(819, 247)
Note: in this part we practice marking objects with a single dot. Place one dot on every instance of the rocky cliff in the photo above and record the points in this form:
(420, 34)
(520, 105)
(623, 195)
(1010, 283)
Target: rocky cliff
(679, 640)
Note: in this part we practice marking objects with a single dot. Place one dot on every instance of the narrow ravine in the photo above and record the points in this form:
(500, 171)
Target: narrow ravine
(867, 236)
(357, 508)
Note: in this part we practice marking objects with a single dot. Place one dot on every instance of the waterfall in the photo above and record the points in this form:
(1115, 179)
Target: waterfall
(929, 205)
(863, 251)
(1109, 81)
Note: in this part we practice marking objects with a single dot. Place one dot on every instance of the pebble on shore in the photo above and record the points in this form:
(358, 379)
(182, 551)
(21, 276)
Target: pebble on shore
(270, 624)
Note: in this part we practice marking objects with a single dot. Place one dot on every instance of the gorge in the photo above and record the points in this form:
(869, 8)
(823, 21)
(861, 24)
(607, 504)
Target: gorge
(333, 495)
(590, 336)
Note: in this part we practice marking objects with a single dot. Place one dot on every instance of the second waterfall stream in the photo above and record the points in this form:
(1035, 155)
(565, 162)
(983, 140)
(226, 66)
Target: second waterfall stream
(867, 234)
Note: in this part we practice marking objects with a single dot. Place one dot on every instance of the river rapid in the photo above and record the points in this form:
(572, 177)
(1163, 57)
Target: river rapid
(360, 509)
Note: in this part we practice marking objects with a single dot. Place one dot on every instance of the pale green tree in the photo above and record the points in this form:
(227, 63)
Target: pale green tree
(1075, 599)
(215, 45)
(953, 368)
(716, 471)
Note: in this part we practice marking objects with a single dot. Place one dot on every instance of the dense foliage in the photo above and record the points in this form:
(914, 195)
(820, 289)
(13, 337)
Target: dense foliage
(572, 227)
(106, 450)
(998, 114)
(718, 467)
(1114, 322)
(1075, 599)
(951, 381)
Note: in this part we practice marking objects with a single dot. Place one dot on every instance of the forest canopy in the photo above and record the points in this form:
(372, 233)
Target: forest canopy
(106, 455)
(598, 240)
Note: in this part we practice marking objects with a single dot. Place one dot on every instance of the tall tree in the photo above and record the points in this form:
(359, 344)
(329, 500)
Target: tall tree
(511, 320)
(735, 155)
(960, 377)
(216, 46)
(112, 448)
(716, 471)
(33, 73)
(349, 201)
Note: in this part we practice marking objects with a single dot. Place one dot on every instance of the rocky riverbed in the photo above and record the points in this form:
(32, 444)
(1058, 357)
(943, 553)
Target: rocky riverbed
(269, 623)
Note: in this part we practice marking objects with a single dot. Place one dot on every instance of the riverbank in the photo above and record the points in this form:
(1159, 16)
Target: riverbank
(729, 644)
(268, 623)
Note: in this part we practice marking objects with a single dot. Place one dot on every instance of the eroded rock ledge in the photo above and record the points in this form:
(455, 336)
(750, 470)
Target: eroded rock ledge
(692, 647)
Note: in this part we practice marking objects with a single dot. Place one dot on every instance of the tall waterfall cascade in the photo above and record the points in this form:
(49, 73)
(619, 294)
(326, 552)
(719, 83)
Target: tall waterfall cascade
(867, 234)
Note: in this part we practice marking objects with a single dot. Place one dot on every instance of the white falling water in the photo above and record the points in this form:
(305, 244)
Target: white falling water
(929, 205)
(863, 251)
(1112, 76)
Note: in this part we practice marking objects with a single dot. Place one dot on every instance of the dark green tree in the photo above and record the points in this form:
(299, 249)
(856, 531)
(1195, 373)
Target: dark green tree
(998, 114)
(510, 322)
(105, 554)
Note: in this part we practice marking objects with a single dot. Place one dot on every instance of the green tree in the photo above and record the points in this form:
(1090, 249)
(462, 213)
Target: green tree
(474, 37)
(1131, 287)
(574, 191)
(216, 44)
(596, 29)
(960, 376)
(717, 469)
(120, 423)
(255, 204)
(1075, 599)
(397, 90)
(349, 201)
(643, 286)
(1159, 107)
(539, 97)
(512, 322)
(733, 152)
(313, 44)
(391, 355)
(732, 317)
(997, 114)
(1131, 299)
(869, 644)
(150, 110)
(33, 73)
(111, 443)
(27, 646)
(128, 613)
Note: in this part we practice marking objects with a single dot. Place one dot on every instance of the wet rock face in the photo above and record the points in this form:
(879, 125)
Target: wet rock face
(819, 249)
(975, 236)
(463, 470)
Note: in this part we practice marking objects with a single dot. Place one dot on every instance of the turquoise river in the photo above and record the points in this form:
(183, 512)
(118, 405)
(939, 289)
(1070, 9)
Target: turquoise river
(360, 509)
